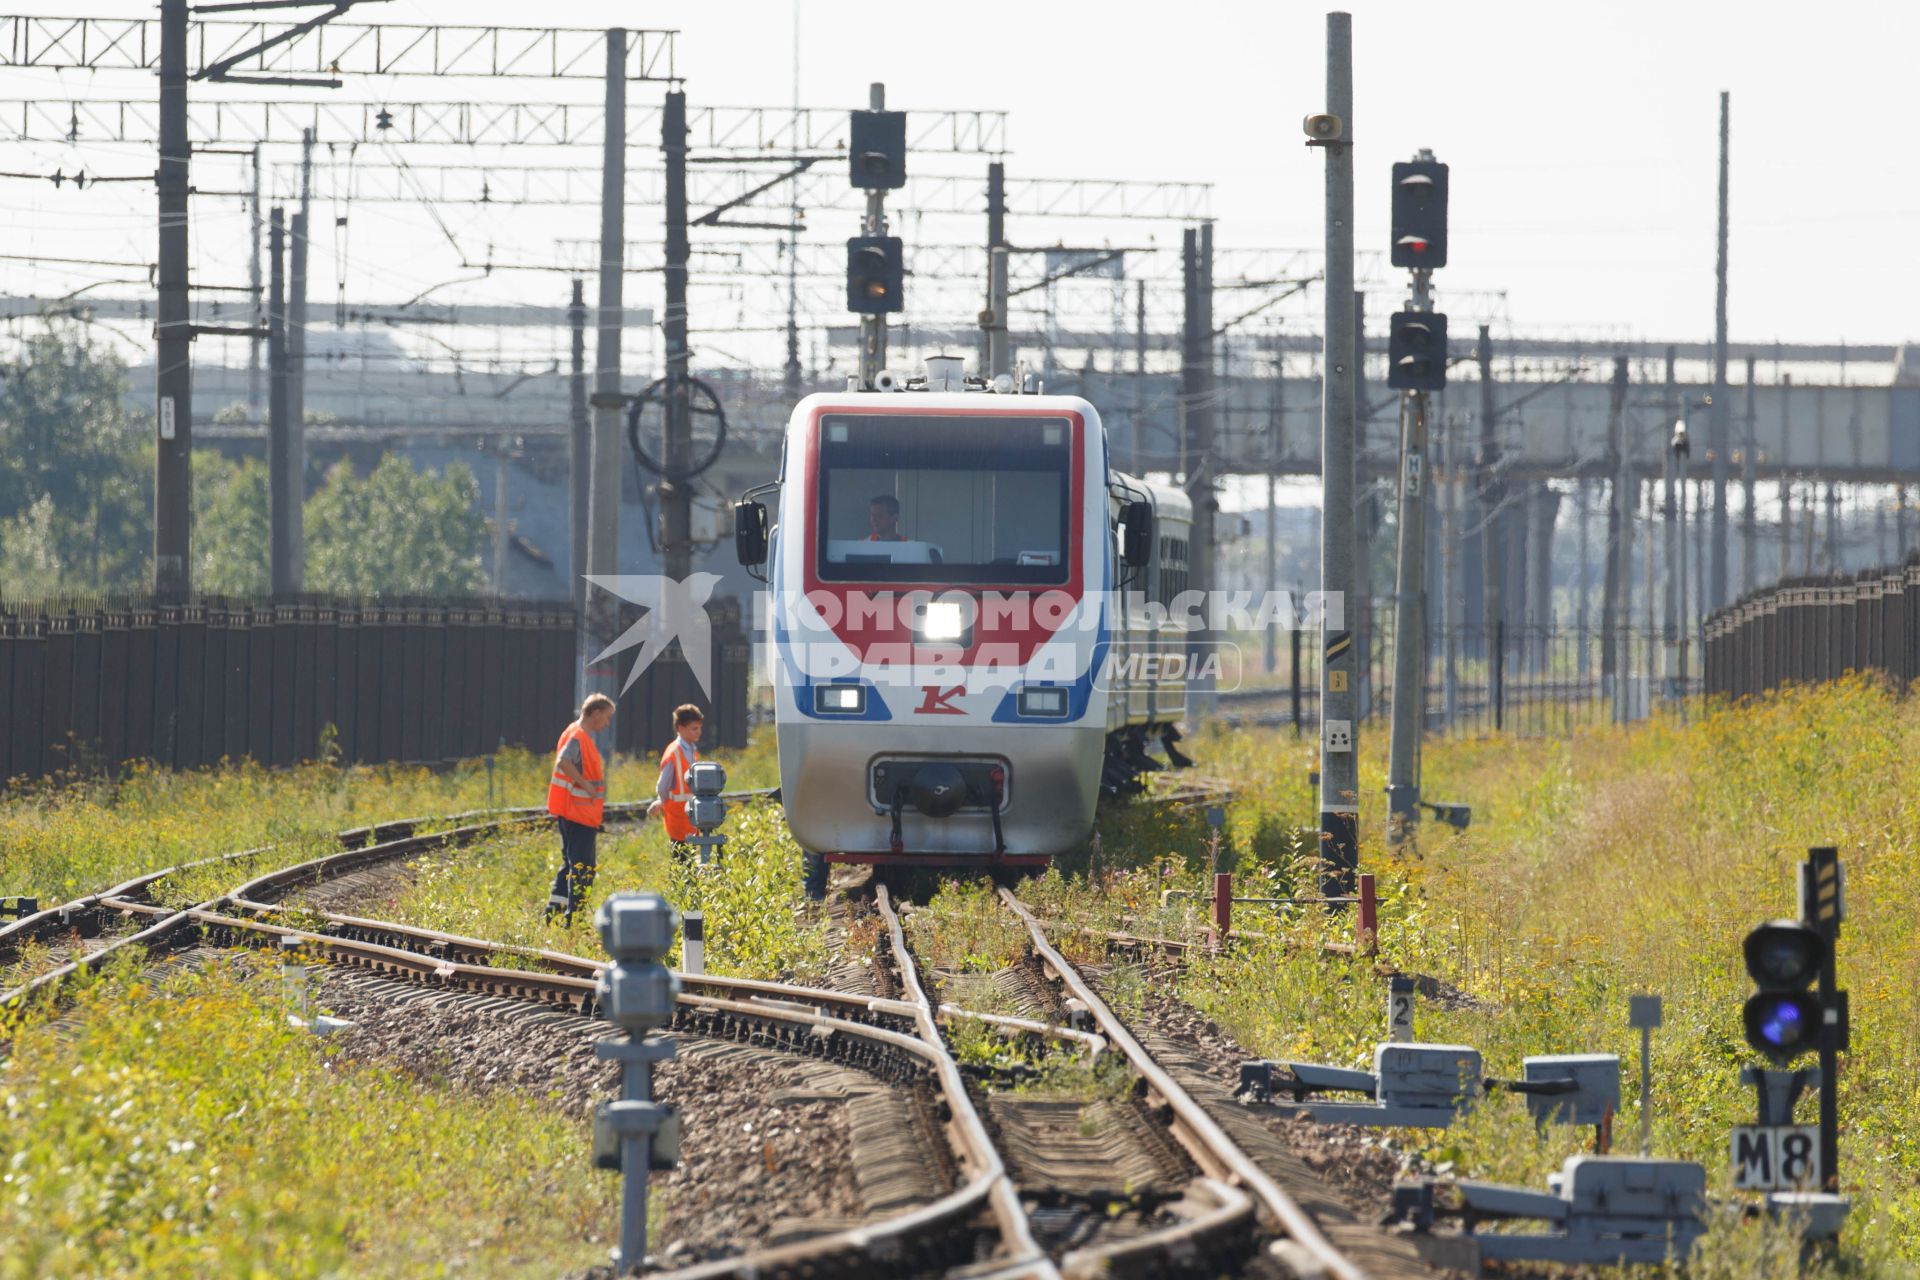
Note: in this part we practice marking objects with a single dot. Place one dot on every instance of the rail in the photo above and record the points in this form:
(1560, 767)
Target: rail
(1217, 1154)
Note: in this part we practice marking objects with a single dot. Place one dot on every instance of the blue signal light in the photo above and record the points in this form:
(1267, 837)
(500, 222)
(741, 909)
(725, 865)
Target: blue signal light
(1782, 1025)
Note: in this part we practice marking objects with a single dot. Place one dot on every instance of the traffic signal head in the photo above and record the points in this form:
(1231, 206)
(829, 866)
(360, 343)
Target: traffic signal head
(1417, 351)
(877, 149)
(875, 275)
(1784, 1018)
(1419, 214)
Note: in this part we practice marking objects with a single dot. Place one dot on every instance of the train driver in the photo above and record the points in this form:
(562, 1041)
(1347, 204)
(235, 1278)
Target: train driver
(883, 517)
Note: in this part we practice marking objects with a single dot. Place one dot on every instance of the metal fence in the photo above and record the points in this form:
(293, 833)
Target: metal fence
(1805, 630)
(87, 686)
(1535, 681)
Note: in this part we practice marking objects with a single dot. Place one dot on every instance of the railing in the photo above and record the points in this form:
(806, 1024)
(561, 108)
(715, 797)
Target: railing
(1806, 630)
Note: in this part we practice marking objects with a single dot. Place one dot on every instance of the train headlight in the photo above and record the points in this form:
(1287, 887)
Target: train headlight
(1043, 700)
(840, 699)
(943, 622)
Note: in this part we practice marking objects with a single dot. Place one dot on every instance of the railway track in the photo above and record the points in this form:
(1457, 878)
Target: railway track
(983, 1224)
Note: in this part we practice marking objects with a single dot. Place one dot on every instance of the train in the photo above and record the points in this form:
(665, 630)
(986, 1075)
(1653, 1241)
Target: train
(968, 622)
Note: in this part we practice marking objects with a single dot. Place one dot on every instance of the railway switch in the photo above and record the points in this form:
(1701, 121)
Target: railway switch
(1570, 1088)
(1411, 1086)
(1598, 1209)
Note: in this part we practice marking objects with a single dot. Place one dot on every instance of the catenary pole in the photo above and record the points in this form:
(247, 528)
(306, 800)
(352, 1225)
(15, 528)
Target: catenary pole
(297, 363)
(256, 221)
(1492, 546)
(1716, 584)
(1339, 770)
(676, 495)
(279, 405)
(173, 328)
(603, 503)
(580, 450)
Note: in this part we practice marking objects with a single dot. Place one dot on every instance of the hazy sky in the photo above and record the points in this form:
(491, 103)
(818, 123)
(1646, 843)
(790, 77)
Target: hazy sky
(1581, 138)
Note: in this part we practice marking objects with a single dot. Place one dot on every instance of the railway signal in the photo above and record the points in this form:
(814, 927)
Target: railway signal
(876, 274)
(1416, 365)
(1417, 351)
(877, 150)
(1796, 1008)
(1419, 215)
(1783, 1018)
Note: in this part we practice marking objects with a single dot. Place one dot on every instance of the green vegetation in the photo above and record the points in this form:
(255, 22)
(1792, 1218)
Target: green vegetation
(1598, 866)
(74, 500)
(182, 1127)
(61, 840)
(76, 511)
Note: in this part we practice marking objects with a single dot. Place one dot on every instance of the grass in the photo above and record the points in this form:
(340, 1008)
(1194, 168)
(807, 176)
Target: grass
(1598, 866)
(59, 840)
(181, 1127)
(62, 840)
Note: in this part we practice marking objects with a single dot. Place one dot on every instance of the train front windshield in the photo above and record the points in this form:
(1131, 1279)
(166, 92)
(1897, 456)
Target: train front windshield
(944, 499)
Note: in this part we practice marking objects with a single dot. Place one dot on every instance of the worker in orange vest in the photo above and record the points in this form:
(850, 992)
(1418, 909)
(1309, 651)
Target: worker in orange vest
(576, 798)
(671, 794)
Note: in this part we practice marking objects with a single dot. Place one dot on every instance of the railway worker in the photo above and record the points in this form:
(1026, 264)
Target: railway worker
(576, 798)
(670, 793)
(883, 517)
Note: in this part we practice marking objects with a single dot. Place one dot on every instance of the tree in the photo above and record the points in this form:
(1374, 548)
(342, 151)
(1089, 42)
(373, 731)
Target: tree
(398, 531)
(230, 530)
(75, 506)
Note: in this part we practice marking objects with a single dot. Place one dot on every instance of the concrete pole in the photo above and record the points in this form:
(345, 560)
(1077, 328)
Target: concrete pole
(994, 319)
(1410, 603)
(1203, 551)
(873, 329)
(173, 328)
(1676, 565)
(1493, 548)
(1716, 583)
(1583, 576)
(1786, 482)
(256, 223)
(603, 512)
(676, 495)
(1749, 462)
(500, 517)
(1833, 555)
(999, 355)
(297, 359)
(1543, 508)
(279, 438)
(579, 450)
(1139, 375)
(1616, 605)
(1366, 520)
(1276, 426)
(296, 319)
(1339, 763)
(1451, 604)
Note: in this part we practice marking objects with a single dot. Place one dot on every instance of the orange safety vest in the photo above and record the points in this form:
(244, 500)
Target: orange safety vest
(567, 800)
(673, 810)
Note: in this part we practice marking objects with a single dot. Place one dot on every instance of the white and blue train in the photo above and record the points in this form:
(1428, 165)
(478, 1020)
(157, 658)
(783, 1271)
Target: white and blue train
(963, 646)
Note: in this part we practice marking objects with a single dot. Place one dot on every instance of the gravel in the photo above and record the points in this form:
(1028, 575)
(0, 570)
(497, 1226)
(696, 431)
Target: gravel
(758, 1146)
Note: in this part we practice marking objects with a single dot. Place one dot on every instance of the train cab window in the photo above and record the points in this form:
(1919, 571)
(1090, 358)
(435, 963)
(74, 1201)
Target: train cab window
(948, 499)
